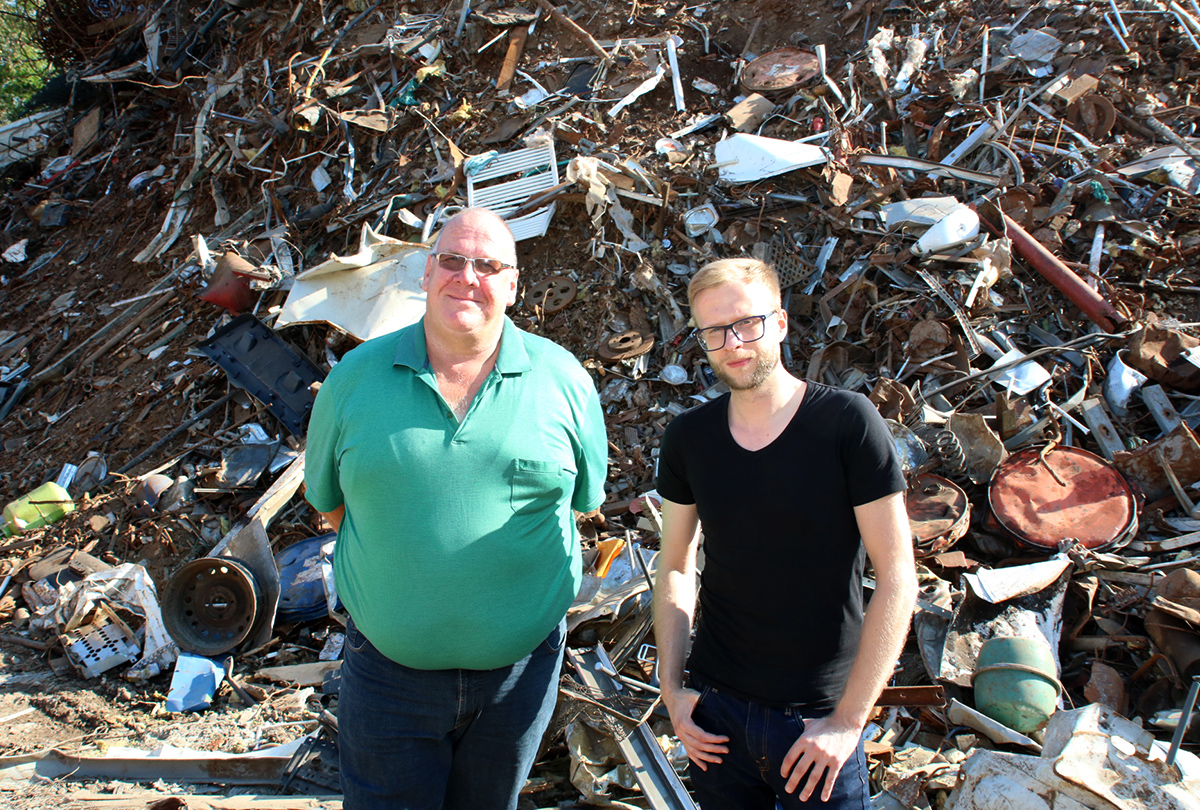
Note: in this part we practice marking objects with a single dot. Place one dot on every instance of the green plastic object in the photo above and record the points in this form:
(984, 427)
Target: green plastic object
(1015, 682)
(41, 507)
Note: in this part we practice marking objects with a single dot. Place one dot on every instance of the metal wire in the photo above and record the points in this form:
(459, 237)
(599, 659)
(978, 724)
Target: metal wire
(617, 714)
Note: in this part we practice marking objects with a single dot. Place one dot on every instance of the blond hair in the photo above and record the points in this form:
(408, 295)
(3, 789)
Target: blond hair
(729, 271)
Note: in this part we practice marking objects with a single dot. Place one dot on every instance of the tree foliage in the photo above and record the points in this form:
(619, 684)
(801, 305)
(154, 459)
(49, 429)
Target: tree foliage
(23, 68)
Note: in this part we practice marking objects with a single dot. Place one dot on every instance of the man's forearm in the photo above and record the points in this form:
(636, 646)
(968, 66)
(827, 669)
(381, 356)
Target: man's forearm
(885, 627)
(674, 603)
(885, 534)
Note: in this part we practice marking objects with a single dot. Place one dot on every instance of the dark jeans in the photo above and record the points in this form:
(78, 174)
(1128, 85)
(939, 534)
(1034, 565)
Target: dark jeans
(412, 739)
(748, 776)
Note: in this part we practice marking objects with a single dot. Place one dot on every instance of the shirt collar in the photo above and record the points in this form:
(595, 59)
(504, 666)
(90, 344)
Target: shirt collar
(513, 359)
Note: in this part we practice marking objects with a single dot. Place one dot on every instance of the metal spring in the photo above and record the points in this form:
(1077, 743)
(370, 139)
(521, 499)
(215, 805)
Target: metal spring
(954, 460)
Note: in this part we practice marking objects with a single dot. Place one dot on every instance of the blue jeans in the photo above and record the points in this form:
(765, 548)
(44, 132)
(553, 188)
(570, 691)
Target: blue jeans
(748, 776)
(412, 739)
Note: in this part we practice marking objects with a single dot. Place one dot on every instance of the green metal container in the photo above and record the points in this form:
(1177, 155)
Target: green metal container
(1015, 682)
(42, 506)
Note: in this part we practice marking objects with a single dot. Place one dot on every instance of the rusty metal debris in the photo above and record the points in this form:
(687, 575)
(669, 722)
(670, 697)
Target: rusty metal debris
(989, 227)
(552, 294)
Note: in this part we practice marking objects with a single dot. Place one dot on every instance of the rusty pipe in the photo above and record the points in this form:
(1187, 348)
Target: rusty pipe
(1065, 280)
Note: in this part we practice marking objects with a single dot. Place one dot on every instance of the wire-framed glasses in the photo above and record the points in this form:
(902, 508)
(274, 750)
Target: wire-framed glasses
(454, 262)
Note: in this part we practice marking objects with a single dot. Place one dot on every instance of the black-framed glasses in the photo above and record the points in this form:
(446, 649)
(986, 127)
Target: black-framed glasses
(454, 262)
(747, 330)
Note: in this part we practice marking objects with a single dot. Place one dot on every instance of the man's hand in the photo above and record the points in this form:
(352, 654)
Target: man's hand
(823, 748)
(702, 747)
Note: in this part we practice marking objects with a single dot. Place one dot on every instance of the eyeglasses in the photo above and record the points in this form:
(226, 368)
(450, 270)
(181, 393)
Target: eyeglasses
(484, 266)
(747, 330)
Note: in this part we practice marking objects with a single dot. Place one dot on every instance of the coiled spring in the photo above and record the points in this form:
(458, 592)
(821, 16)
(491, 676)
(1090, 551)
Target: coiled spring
(954, 460)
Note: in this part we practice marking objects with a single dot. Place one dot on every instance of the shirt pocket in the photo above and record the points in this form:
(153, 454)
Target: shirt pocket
(537, 485)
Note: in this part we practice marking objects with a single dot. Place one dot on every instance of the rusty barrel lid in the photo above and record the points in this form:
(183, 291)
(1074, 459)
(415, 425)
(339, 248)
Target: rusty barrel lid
(780, 69)
(1070, 494)
(939, 513)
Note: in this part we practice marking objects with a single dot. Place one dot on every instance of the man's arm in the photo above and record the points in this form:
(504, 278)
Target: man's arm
(674, 604)
(828, 742)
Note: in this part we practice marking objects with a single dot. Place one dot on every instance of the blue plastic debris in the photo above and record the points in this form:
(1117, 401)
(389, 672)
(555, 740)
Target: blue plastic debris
(302, 590)
(194, 682)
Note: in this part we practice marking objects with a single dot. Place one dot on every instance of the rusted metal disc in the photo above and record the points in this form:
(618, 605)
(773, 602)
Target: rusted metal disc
(939, 513)
(1071, 495)
(779, 70)
(551, 294)
(425, 207)
(626, 345)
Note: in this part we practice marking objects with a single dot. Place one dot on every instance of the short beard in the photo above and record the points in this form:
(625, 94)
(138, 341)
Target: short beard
(764, 366)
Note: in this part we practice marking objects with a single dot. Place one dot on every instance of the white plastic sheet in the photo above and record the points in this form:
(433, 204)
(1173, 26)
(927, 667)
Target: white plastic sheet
(374, 292)
(743, 158)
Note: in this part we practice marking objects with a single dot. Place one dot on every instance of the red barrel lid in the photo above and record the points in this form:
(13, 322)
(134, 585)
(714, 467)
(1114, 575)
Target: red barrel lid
(1084, 498)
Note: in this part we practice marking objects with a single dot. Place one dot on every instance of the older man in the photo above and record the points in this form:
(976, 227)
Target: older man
(449, 456)
(792, 481)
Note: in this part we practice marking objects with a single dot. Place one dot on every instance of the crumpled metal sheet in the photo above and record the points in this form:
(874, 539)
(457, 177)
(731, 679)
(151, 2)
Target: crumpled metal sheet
(1130, 782)
(1093, 759)
(992, 780)
(1142, 468)
(596, 765)
(1161, 354)
(981, 446)
(1131, 774)
(615, 595)
(129, 586)
(1174, 623)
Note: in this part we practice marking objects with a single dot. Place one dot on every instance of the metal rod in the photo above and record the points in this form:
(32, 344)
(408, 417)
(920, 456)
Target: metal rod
(1116, 32)
(158, 445)
(1189, 704)
(1093, 305)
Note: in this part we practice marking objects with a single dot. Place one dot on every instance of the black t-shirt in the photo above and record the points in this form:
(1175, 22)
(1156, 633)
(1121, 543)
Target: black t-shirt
(781, 599)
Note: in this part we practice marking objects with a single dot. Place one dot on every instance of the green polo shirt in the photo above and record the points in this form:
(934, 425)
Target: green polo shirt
(458, 548)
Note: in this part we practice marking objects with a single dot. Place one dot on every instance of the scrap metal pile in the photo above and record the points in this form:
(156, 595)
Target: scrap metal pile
(984, 217)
